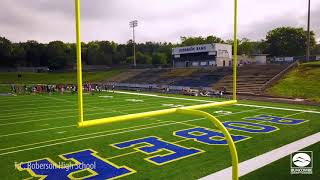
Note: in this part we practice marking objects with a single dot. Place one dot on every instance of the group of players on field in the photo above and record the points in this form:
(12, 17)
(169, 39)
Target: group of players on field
(59, 88)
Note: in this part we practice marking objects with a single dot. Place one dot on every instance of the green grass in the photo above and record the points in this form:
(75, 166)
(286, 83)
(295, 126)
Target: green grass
(38, 126)
(283, 168)
(65, 77)
(5, 89)
(302, 82)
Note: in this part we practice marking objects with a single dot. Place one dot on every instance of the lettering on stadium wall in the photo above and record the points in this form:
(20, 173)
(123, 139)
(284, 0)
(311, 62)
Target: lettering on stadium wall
(193, 49)
(188, 49)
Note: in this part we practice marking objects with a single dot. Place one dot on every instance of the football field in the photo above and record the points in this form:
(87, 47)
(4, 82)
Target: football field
(42, 130)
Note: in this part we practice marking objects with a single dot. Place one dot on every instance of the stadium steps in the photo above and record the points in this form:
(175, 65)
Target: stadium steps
(250, 79)
(180, 77)
(126, 75)
(149, 76)
(204, 77)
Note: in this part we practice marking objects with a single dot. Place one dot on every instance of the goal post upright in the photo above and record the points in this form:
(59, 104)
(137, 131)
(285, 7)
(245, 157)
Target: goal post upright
(79, 63)
(235, 51)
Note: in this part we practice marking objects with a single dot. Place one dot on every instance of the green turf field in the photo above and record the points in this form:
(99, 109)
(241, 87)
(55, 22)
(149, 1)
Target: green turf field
(34, 127)
(282, 168)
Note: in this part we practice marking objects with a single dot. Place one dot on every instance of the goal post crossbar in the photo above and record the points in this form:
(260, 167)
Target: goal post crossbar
(128, 117)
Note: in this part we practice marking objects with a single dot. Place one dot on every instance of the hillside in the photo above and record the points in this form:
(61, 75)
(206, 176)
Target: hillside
(302, 82)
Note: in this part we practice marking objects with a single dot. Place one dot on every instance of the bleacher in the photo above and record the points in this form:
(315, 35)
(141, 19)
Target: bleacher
(203, 77)
(149, 76)
(251, 78)
(124, 76)
(180, 77)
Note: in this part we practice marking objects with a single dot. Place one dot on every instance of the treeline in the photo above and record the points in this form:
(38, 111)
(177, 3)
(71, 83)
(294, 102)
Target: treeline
(58, 55)
(283, 41)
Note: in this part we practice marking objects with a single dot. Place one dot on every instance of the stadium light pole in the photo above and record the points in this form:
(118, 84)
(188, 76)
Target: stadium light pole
(134, 24)
(308, 38)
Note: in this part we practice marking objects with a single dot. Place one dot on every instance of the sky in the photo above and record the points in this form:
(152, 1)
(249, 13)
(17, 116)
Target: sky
(159, 20)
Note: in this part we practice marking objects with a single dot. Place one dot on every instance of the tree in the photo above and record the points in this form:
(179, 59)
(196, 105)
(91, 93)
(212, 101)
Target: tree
(119, 56)
(93, 53)
(5, 52)
(213, 39)
(288, 41)
(34, 52)
(316, 50)
(248, 47)
(130, 60)
(18, 54)
(190, 41)
(57, 56)
(143, 58)
(100, 52)
(107, 50)
(159, 58)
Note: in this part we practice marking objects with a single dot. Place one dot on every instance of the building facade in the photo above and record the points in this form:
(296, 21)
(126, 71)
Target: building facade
(205, 55)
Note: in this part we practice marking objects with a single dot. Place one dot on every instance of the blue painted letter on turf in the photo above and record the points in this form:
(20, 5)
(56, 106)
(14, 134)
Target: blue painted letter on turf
(244, 126)
(277, 120)
(155, 145)
(86, 160)
(207, 136)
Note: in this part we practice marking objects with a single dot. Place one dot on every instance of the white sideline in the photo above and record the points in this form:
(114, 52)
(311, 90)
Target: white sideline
(260, 161)
(167, 97)
(200, 100)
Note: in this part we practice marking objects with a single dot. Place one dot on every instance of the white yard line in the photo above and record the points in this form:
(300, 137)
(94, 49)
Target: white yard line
(77, 136)
(280, 108)
(260, 161)
(86, 138)
(14, 110)
(39, 130)
(42, 113)
(290, 115)
(54, 140)
(61, 132)
(106, 112)
(199, 100)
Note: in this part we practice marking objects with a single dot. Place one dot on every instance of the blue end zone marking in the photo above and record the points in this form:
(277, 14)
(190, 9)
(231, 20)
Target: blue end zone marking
(261, 128)
(277, 120)
(206, 136)
(154, 145)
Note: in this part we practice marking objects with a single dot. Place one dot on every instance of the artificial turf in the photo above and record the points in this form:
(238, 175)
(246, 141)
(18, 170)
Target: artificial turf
(282, 168)
(41, 126)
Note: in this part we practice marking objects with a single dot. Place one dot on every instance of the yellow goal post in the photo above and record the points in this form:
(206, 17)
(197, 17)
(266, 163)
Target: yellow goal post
(192, 110)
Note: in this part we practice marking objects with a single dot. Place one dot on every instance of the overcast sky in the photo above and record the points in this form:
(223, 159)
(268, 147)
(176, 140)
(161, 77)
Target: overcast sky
(159, 20)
